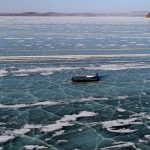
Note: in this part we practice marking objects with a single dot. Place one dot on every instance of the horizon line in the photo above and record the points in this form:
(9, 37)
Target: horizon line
(78, 12)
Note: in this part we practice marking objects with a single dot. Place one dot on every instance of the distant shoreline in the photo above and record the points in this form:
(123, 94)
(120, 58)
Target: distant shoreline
(55, 14)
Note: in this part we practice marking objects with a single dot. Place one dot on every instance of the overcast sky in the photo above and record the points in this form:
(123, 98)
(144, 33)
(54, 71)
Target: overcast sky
(74, 5)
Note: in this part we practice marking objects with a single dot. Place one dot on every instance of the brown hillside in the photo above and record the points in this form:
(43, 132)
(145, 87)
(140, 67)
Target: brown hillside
(148, 15)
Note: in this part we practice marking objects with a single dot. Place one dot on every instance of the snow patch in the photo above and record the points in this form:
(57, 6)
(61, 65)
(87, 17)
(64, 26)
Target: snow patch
(61, 141)
(147, 137)
(45, 103)
(120, 110)
(34, 147)
(6, 138)
(118, 126)
(3, 73)
(115, 67)
(66, 121)
(122, 97)
(93, 98)
(57, 133)
(127, 145)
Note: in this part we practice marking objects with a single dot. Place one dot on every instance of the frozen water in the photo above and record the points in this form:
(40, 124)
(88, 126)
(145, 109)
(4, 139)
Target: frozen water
(40, 108)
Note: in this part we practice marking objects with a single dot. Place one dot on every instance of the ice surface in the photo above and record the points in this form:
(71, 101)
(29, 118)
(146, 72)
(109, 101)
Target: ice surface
(41, 108)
